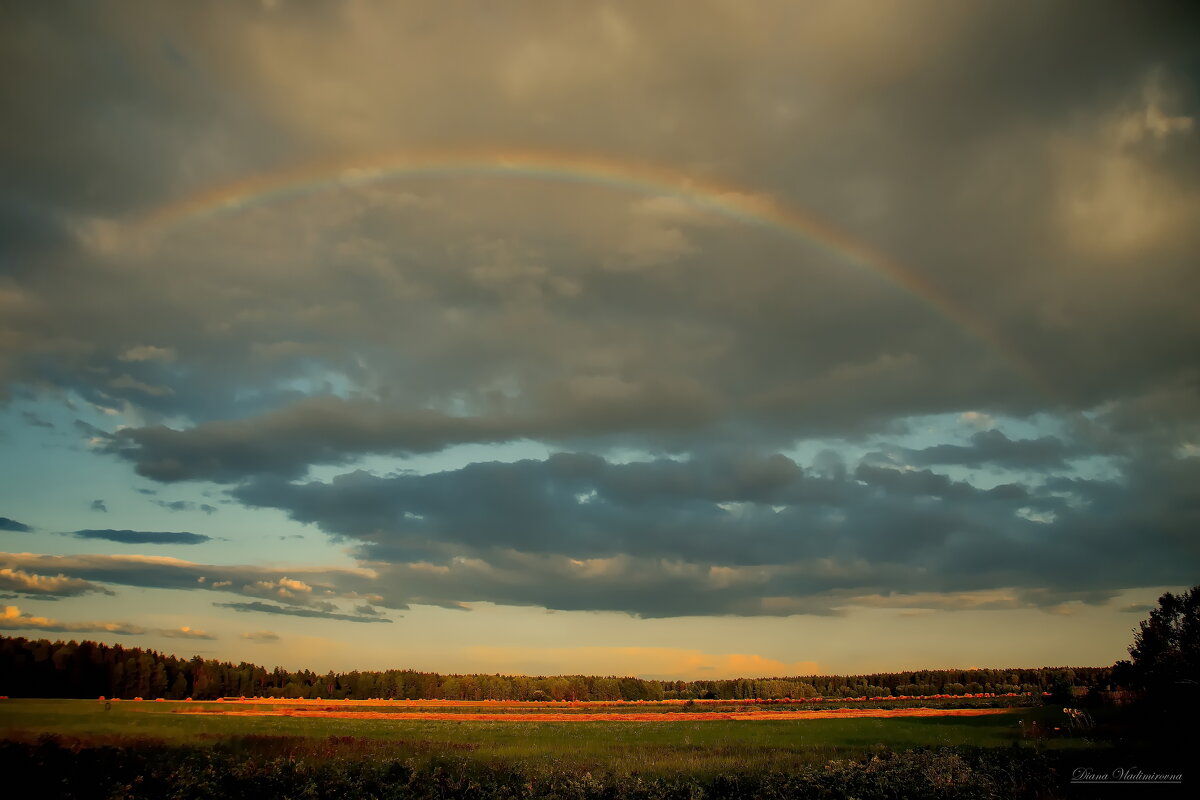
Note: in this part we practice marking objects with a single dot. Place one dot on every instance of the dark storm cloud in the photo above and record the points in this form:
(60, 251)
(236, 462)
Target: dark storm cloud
(7, 524)
(27, 233)
(1027, 175)
(332, 430)
(726, 510)
(144, 537)
(291, 611)
(993, 448)
(724, 534)
(925, 483)
(742, 534)
(925, 139)
(125, 98)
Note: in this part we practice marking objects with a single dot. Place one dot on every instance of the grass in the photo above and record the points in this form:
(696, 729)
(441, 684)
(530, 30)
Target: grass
(76, 749)
(653, 747)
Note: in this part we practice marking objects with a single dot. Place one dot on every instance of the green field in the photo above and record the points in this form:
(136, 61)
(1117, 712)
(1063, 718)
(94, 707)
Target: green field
(718, 746)
(80, 750)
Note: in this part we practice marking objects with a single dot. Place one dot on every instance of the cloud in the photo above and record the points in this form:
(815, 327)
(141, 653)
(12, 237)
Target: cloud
(261, 637)
(293, 611)
(993, 447)
(999, 599)
(125, 381)
(144, 537)
(57, 585)
(162, 572)
(725, 509)
(184, 632)
(36, 421)
(894, 133)
(1137, 608)
(149, 353)
(185, 505)
(13, 619)
(98, 505)
(284, 588)
(331, 430)
(977, 419)
(720, 533)
(773, 265)
(7, 524)
(95, 435)
(741, 534)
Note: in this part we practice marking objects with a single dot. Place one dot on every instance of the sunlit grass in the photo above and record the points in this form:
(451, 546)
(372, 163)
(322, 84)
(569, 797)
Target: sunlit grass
(695, 747)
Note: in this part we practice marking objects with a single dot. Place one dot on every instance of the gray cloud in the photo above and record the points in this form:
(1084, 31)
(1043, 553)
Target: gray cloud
(7, 524)
(36, 421)
(987, 211)
(185, 505)
(668, 537)
(719, 533)
(935, 131)
(993, 448)
(292, 611)
(331, 430)
(98, 505)
(313, 587)
(144, 537)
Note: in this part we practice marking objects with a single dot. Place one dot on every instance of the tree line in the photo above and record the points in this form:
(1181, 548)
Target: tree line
(42, 668)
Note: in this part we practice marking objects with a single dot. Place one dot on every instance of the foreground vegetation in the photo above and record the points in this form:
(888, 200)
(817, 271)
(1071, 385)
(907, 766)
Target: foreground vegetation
(279, 768)
(77, 749)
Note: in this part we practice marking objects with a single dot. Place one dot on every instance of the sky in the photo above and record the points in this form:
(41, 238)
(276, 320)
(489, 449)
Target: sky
(681, 340)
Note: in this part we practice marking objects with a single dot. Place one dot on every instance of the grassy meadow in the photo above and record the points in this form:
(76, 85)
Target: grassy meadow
(151, 749)
(178, 722)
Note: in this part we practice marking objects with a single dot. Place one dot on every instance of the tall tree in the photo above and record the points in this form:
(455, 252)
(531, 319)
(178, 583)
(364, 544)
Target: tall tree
(1165, 654)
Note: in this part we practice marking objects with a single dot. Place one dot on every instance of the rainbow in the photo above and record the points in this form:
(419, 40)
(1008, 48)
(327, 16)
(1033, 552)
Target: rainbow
(742, 205)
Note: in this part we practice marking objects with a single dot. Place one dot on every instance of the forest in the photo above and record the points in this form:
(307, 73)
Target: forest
(43, 668)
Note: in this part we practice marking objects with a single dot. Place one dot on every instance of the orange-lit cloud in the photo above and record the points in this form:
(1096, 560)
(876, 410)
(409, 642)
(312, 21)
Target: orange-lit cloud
(32, 583)
(12, 619)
